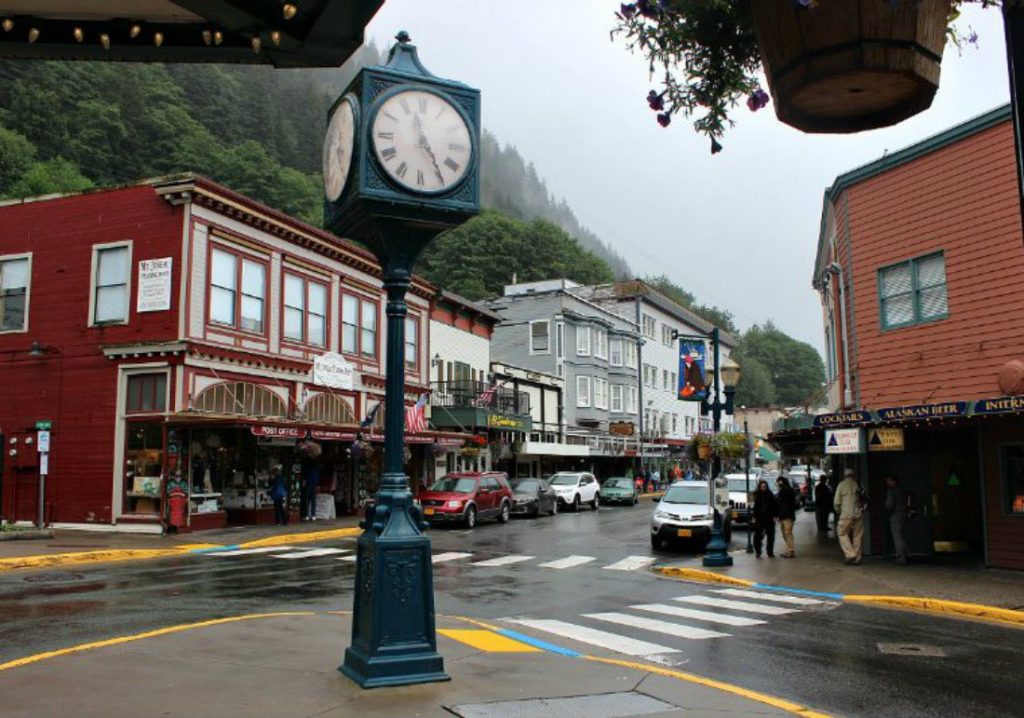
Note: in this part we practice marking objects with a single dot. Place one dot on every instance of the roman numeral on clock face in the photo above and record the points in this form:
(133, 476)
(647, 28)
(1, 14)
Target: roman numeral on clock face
(452, 164)
(388, 153)
(422, 105)
(386, 135)
(419, 177)
(405, 105)
(402, 169)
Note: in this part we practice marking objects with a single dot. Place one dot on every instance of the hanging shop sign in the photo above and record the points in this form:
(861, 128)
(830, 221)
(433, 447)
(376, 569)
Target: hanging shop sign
(329, 435)
(154, 293)
(289, 432)
(510, 423)
(885, 440)
(842, 417)
(999, 405)
(332, 370)
(844, 441)
(621, 428)
(923, 411)
(693, 385)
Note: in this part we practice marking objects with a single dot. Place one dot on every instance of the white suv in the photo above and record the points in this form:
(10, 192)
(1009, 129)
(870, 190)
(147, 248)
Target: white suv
(685, 514)
(573, 488)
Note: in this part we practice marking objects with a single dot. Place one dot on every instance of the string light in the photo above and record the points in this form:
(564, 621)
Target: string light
(105, 40)
(256, 44)
(33, 34)
(135, 31)
(8, 24)
(289, 10)
(79, 35)
(158, 39)
(275, 36)
(207, 37)
(218, 37)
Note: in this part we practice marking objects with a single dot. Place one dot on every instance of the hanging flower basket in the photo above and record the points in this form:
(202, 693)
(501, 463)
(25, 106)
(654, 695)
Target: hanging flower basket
(470, 452)
(309, 449)
(700, 447)
(729, 445)
(850, 65)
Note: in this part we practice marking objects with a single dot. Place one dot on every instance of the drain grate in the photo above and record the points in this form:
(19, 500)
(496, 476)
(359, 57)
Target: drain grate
(603, 705)
(911, 649)
(54, 577)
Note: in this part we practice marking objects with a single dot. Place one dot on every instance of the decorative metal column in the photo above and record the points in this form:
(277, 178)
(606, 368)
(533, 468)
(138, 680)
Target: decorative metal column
(717, 549)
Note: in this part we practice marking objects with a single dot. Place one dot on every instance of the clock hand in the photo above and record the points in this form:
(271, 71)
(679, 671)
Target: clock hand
(425, 144)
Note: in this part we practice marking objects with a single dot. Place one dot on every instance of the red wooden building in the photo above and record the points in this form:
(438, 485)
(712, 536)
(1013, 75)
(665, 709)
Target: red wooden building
(169, 331)
(920, 267)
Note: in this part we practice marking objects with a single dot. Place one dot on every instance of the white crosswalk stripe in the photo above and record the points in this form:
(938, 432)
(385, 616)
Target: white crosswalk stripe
(248, 551)
(311, 553)
(767, 596)
(568, 562)
(736, 605)
(449, 556)
(503, 560)
(684, 612)
(631, 563)
(679, 630)
(602, 639)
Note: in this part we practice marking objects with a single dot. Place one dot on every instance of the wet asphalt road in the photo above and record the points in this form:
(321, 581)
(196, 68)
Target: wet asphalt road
(825, 656)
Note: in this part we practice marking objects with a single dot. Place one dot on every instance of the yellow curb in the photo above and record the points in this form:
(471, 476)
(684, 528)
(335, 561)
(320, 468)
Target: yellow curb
(781, 704)
(69, 559)
(286, 539)
(696, 574)
(487, 641)
(935, 605)
(471, 621)
(27, 660)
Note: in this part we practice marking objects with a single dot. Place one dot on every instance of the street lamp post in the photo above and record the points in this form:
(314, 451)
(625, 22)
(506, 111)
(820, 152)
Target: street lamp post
(749, 503)
(729, 374)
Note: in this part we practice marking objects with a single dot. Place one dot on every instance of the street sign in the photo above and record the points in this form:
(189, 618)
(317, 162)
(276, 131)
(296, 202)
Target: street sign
(44, 425)
(885, 440)
(44, 464)
(43, 442)
(844, 441)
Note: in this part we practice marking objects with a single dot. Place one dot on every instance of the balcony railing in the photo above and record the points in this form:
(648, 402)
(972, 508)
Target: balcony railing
(479, 395)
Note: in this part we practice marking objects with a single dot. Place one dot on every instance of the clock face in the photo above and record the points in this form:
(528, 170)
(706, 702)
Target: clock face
(338, 146)
(422, 141)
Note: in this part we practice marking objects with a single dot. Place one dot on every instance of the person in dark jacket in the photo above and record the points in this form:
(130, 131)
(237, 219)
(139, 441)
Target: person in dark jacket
(764, 515)
(896, 510)
(279, 493)
(786, 499)
(822, 502)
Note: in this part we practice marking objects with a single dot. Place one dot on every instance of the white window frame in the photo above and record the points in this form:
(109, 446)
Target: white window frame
(28, 288)
(581, 350)
(666, 335)
(583, 395)
(632, 399)
(547, 323)
(96, 249)
(559, 340)
(601, 343)
(616, 398)
(615, 357)
(600, 393)
(664, 379)
(629, 347)
(644, 320)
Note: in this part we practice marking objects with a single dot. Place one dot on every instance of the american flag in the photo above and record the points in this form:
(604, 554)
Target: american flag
(415, 421)
(368, 421)
(486, 397)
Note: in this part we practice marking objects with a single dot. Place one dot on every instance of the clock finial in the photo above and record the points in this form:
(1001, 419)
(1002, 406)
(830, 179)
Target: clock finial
(403, 57)
(403, 37)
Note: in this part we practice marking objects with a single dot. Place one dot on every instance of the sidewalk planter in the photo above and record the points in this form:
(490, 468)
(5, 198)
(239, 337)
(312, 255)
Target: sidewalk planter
(850, 65)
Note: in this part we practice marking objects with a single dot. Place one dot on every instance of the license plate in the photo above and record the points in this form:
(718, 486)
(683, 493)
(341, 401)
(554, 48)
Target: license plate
(428, 512)
(684, 533)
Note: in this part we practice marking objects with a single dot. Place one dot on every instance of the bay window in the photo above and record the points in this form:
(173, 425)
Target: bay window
(583, 341)
(583, 391)
(617, 398)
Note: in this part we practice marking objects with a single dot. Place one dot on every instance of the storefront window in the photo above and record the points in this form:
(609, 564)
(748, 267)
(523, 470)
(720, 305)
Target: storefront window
(1013, 478)
(144, 458)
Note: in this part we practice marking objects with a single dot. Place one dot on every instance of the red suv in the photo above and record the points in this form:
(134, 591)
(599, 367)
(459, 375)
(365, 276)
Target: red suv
(467, 497)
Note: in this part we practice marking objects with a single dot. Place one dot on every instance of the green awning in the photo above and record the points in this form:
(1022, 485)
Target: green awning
(766, 454)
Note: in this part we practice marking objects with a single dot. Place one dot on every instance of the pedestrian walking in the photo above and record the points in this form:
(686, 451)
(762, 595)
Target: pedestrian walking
(822, 502)
(786, 500)
(309, 486)
(896, 508)
(849, 503)
(765, 512)
(648, 479)
(279, 495)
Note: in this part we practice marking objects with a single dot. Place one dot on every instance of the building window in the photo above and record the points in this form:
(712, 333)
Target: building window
(675, 423)
(666, 335)
(583, 391)
(560, 340)
(631, 399)
(649, 326)
(600, 343)
(615, 351)
(540, 340)
(305, 310)
(358, 326)
(600, 393)
(412, 351)
(146, 393)
(14, 283)
(664, 379)
(672, 385)
(1013, 478)
(111, 272)
(913, 292)
(630, 348)
(237, 290)
(617, 398)
(583, 341)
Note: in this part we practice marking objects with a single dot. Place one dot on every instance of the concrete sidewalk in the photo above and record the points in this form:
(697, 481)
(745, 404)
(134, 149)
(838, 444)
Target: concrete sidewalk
(284, 666)
(819, 566)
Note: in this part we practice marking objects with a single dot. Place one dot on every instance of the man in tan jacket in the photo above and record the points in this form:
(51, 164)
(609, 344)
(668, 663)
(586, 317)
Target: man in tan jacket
(850, 526)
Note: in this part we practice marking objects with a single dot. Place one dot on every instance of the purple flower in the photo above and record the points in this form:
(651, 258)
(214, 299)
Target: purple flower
(664, 119)
(973, 38)
(715, 147)
(648, 9)
(655, 101)
(627, 10)
(757, 100)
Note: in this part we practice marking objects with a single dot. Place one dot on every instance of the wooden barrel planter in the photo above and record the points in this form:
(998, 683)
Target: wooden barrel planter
(850, 65)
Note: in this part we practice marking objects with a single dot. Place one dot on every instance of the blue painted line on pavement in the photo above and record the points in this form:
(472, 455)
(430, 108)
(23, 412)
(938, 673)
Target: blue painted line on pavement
(537, 643)
(232, 547)
(802, 591)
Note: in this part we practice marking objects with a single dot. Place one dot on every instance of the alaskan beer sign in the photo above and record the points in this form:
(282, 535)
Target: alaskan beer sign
(923, 411)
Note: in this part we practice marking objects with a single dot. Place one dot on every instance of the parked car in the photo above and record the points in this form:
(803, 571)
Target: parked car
(797, 475)
(573, 488)
(618, 490)
(467, 497)
(685, 515)
(531, 497)
(738, 497)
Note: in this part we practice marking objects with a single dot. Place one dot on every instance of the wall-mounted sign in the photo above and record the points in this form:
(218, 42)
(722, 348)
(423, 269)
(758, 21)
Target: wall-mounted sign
(885, 440)
(844, 441)
(923, 411)
(511, 423)
(43, 442)
(842, 417)
(692, 360)
(332, 370)
(621, 428)
(329, 435)
(154, 293)
(999, 405)
(44, 425)
(291, 432)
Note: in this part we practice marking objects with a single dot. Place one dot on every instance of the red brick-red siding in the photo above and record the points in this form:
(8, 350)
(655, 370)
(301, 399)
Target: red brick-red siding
(76, 387)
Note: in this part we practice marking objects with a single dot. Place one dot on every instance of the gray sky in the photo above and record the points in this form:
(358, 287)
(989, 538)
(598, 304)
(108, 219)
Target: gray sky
(739, 229)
